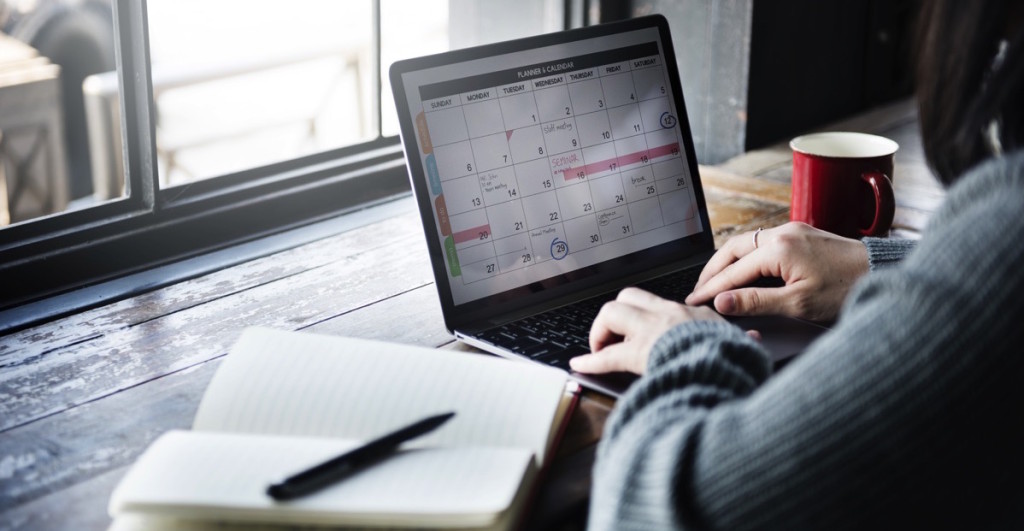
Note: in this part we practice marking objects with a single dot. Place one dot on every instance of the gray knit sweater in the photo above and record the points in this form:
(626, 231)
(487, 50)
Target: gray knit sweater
(909, 414)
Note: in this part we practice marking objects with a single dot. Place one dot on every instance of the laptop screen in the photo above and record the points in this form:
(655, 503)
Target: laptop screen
(537, 161)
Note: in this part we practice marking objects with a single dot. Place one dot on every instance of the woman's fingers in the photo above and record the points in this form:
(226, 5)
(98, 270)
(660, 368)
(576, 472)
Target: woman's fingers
(612, 323)
(612, 358)
(740, 273)
(625, 316)
(610, 335)
(754, 301)
(734, 249)
(643, 299)
(625, 330)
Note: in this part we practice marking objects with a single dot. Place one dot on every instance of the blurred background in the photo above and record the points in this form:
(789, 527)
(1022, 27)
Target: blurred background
(236, 83)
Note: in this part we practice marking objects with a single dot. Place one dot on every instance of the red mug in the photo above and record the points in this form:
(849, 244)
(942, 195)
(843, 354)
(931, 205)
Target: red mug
(842, 183)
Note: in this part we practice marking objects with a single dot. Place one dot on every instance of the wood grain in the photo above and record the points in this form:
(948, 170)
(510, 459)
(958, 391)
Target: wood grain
(129, 356)
(29, 344)
(731, 184)
(412, 317)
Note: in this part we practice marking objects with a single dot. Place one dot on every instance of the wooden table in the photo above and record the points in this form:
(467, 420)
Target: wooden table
(82, 396)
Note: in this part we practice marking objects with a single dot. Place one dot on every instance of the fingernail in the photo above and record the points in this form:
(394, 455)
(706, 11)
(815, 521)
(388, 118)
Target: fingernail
(725, 302)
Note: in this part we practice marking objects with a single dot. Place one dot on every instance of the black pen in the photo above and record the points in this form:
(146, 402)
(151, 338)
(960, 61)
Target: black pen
(332, 470)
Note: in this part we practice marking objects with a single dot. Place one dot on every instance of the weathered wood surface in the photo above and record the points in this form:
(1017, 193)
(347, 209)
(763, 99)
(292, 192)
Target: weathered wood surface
(54, 431)
(82, 396)
(738, 203)
(320, 281)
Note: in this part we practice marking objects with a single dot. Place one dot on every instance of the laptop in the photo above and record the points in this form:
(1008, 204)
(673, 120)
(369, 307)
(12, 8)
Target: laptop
(549, 173)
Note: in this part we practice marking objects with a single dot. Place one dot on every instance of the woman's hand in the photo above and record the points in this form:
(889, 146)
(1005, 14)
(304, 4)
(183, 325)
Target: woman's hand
(626, 329)
(819, 269)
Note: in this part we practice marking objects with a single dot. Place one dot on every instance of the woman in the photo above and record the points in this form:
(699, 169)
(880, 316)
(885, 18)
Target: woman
(908, 414)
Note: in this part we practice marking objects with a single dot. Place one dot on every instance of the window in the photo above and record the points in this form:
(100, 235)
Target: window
(159, 130)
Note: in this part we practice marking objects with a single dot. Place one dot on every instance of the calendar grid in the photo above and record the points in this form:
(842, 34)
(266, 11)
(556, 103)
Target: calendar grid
(484, 233)
(559, 212)
(528, 246)
(539, 183)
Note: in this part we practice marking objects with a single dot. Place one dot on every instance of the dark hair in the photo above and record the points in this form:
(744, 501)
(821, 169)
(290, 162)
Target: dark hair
(962, 87)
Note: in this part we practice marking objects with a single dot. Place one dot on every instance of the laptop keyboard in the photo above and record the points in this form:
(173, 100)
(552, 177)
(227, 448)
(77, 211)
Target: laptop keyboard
(555, 336)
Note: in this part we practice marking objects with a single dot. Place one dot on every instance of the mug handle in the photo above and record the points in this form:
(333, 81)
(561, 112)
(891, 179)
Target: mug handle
(885, 203)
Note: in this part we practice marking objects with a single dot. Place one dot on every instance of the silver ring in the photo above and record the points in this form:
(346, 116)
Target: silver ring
(756, 232)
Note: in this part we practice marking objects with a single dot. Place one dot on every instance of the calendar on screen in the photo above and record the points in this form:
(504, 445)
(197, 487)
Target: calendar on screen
(571, 158)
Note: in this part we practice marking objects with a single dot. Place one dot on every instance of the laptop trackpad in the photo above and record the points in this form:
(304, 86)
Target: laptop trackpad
(784, 337)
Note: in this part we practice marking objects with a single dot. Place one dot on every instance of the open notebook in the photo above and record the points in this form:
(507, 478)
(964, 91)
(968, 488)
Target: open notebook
(283, 401)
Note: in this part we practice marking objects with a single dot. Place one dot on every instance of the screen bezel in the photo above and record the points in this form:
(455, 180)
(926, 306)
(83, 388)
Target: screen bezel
(538, 293)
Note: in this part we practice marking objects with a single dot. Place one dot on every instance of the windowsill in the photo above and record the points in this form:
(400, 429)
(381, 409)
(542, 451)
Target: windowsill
(129, 285)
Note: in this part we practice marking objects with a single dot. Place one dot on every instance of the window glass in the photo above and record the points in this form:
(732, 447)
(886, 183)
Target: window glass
(408, 29)
(58, 107)
(240, 84)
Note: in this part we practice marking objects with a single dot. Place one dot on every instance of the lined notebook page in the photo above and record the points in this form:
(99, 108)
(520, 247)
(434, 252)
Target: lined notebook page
(207, 475)
(292, 383)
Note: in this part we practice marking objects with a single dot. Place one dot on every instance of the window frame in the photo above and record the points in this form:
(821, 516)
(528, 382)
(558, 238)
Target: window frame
(65, 252)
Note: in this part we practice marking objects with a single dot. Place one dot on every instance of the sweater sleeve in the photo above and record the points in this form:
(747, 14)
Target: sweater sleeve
(905, 415)
(887, 252)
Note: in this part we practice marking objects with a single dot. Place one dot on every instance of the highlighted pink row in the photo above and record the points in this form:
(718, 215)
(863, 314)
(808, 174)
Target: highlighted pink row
(623, 160)
(476, 233)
